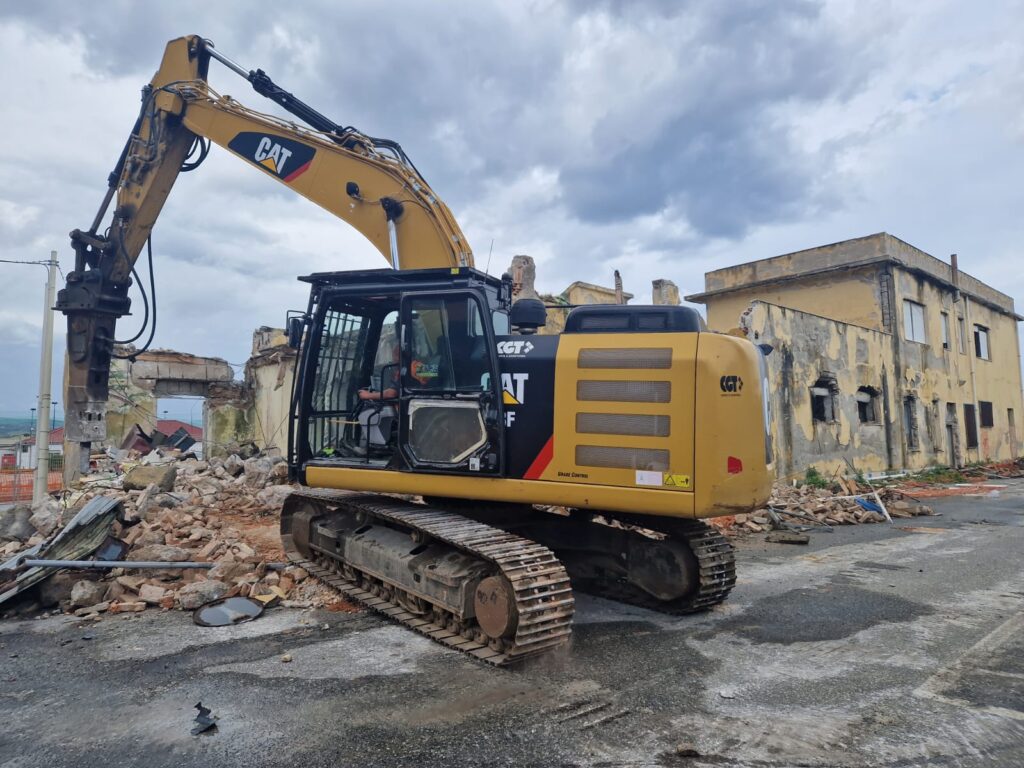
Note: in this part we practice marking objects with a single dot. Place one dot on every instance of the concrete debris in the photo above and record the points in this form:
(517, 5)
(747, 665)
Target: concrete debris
(45, 517)
(191, 596)
(141, 477)
(84, 593)
(173, 508)
(847, 504)
(788, 537)
(15, 525)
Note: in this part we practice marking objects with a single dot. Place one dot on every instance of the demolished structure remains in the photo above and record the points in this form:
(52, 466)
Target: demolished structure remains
(883, 356)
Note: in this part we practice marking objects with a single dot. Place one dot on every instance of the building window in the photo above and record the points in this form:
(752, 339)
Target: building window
(913, 321)
(970, 425)
(945, 330)
(981, 342)
(963, 335)
(985, 414)
(867, 405)
(910, 422)
(823, 399)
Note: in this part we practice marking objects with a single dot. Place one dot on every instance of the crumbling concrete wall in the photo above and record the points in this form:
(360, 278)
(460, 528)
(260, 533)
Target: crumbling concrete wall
(269, 374)
(664, 292)
(136, 385)
(128, 404)
(256, 410)
(806, 349)
(524, 276)
(228, 420)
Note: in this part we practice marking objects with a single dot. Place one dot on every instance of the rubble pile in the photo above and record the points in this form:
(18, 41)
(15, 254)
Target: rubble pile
(176, 509)
(1005, 469)
(826, 506)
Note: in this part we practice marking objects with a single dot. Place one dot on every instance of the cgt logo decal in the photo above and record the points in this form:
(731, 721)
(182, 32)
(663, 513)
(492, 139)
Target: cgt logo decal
(284, 158)
(731, 385)
(514, 347)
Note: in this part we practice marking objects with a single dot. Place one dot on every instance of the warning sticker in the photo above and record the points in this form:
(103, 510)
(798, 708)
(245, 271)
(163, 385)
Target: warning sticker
(677, 481)
(645, 477)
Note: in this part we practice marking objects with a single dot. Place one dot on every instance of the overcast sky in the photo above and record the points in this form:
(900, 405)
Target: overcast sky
(664, 139)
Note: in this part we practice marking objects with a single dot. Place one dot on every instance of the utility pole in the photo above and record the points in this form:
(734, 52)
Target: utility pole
(40, 488)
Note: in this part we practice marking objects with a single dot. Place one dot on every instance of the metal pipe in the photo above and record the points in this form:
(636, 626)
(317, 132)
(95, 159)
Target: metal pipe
(393, 242)
(225, 60)
(101, 565)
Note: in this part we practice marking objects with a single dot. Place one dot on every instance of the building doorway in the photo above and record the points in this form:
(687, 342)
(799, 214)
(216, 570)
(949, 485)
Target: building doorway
(952, 436)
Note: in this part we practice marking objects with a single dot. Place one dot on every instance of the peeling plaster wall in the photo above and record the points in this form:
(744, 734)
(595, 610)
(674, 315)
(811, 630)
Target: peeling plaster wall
(226, 424)
(270, 377)
(805, 346)
(935, 375)
(256, 410)
(127, 405)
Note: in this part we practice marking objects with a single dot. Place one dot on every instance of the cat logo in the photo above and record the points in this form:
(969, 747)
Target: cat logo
(272, 155)
(513, 388)
(284, 158)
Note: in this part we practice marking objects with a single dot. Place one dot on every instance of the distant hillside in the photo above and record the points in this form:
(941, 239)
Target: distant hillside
(17, 426)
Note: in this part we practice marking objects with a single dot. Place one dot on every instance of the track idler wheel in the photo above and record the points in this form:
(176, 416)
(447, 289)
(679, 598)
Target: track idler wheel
(495, 606)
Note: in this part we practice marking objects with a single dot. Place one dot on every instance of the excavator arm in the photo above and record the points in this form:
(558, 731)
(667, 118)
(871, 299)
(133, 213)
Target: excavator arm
(368, 182)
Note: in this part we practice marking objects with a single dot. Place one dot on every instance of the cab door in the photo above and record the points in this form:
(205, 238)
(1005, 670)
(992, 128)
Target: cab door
(450, 410)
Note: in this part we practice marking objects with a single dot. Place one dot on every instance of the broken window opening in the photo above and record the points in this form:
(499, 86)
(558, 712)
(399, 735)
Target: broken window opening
(913, 321)
(981, 348)
(177, 422)
(970, 425)
(867, 405)
(910, 422)
(985, 414)
(945, 330)
(824, 395)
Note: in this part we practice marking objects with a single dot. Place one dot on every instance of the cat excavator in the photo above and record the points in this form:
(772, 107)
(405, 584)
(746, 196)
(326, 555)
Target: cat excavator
(460, 471)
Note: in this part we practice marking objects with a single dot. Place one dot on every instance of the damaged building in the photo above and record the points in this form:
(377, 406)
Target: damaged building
(253, 410)
(883, 356)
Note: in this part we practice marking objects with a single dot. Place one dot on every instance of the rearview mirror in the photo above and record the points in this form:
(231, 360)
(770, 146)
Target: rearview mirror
(295, 326)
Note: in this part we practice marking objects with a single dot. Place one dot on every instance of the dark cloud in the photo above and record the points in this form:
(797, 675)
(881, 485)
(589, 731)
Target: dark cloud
(501, 78)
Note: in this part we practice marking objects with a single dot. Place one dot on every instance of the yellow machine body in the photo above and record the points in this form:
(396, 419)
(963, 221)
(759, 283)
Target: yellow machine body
(703, 394)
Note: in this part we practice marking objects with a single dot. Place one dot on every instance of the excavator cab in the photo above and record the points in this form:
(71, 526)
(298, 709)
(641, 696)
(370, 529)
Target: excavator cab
(399, 371)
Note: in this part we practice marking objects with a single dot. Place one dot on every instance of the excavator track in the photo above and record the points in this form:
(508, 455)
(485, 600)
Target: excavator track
(543, 599)
(713, 566)
(715, 560)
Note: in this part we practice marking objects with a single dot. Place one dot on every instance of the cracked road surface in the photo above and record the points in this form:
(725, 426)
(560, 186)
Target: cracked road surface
(875, 645)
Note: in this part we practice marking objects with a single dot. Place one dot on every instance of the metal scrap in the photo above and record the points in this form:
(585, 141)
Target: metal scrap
(227, 611)
(205, 721)
(78, 539)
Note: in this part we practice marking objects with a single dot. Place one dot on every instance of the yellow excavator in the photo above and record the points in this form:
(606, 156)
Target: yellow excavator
(462, 473)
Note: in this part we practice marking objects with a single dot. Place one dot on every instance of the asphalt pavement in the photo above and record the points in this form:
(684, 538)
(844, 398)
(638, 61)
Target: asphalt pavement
(875, 645)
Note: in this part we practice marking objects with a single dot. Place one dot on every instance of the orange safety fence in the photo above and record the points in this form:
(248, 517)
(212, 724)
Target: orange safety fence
(16, 484)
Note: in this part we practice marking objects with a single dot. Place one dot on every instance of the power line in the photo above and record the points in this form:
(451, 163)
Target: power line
(39, 263)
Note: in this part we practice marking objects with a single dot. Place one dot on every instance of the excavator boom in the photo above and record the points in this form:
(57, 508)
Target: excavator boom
(369, 183)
